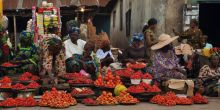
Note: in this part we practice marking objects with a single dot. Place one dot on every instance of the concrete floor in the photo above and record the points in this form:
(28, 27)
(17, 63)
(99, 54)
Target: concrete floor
(213, 105)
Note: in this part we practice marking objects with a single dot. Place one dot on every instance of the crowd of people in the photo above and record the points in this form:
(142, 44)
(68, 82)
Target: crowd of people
(56, 56)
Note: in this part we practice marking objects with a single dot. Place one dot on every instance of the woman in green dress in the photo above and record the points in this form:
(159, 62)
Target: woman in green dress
(27, 53)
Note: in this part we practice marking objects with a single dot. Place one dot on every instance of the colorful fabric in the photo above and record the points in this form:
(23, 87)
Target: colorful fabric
(163, 67)
(207, 72)
(101, 54)
(71, 49)
(47, 59)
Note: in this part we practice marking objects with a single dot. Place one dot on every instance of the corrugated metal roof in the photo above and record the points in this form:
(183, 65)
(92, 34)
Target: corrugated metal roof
(27, 4)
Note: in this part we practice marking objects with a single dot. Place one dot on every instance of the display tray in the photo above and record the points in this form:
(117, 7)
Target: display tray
(5, 89)
(10, 67)
(83, 95)
(28, 90)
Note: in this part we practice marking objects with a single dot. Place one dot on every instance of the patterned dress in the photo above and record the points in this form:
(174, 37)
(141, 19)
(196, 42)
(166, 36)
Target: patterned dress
(163, 67)
(56, 64)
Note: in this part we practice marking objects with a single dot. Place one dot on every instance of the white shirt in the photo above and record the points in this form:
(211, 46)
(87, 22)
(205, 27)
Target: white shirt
(71, 48)
(101, 54)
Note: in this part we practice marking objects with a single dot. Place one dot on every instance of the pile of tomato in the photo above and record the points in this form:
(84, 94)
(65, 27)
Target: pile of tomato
(8, 64)
(57, 99)
(170, 99)
(125, 72)
(137, 75)
(106, 98)
(199, 99)
(90, 101)
(32, 85)
(80, 81)
(143, 88)
(109, 81)
(137, 65)
(5, 82)
(74, 75)
(147, 76)
(19, 102)
(136, 89)
(27, 76)
(83, 91)
(126, 98)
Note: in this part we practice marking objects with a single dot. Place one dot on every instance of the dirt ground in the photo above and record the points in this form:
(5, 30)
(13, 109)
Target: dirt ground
(213, 105)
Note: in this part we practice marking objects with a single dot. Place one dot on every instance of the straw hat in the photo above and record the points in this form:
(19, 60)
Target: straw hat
(163, 40)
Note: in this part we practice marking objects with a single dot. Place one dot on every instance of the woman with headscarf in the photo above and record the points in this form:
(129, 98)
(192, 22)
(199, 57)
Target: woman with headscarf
(27, 52)
(74, 49)
(136, 51)
(52, 55)
(105, 54)
(166, 64)
(149, 35)
(209, 75)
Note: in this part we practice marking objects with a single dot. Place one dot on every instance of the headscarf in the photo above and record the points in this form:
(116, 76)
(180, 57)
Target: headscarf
(137, 37)
(26, 35)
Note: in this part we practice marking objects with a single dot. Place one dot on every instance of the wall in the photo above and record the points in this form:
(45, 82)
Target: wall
(167, 12)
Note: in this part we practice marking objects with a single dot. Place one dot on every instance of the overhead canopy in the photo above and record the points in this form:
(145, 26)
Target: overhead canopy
(27, 4)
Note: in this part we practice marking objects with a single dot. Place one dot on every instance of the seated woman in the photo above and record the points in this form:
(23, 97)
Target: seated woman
(52, 57)
(165, 63)
(105, 54)
(136, 52)
(27, 52)
(74, 50)
(210, 74)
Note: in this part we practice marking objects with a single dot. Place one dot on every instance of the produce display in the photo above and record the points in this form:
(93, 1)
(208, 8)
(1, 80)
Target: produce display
(8, 64)
(106, 98)
(125, 72)
(170, 99)
(82, 91)
(153, 88)
(80, 81)
(33, 85)
(27, 76)
(109, 81)
(137, 75)
(19, 102)
(89, 101)
(137, 65)
(5, 82)
(199, 99)
(126, 98)
(57, 99)
(147, 76)
(74, 76)
(19, 86)
(136, 89)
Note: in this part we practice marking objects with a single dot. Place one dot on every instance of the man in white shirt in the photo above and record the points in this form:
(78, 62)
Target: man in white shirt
(74, 45)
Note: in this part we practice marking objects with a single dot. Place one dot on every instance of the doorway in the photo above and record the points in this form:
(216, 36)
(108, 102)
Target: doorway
(209, 19)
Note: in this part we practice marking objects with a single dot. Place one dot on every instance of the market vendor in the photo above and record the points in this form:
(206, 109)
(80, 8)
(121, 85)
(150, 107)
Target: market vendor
(105, 54)
(73, 50)
(27, 52)
(52, 55)
(193, 35)
(137, 46)
(5, 44)
(166, 64)
(210, 74)
(149, 35)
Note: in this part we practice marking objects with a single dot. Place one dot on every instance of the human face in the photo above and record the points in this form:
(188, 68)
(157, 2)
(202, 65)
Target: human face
(215, 60)
(167, 48)
(136, 44)
(193, 25)
(55, 49)
(74, 37)
(153, 27)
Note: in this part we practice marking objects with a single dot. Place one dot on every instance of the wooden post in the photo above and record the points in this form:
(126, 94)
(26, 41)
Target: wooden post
(1, 10)
(15, 32)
